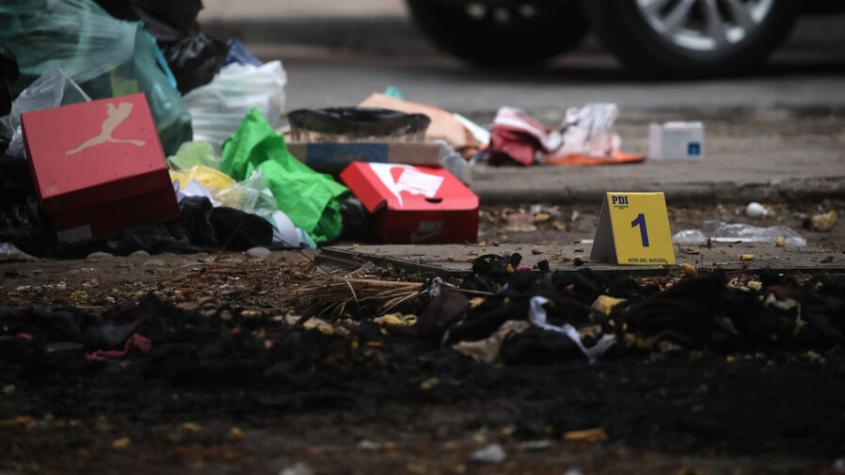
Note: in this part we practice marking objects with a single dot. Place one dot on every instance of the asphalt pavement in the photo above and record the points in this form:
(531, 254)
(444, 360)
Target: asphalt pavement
(777, 135)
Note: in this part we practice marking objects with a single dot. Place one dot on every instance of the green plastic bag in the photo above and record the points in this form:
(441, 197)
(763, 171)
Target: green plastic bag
(105, 56)
(310, 199)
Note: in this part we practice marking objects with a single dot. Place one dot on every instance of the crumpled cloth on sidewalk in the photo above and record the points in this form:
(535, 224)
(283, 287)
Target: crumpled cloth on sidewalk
(516, 137)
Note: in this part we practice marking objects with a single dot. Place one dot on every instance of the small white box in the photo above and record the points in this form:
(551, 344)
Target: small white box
(676, 141)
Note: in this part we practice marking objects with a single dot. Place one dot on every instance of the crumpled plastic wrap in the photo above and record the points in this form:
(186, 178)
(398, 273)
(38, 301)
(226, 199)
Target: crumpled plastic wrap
(52, 89)
(105, 56)
(717, 231)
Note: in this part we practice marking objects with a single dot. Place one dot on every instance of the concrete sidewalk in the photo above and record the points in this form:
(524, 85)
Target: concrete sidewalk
(769, 157)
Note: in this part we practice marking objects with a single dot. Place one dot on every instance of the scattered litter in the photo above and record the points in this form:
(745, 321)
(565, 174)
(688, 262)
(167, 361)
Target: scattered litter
(309, 199)
(51, 89)
(519, 222)
(539, 318)
(676, 141)
(105, 56)
(746, 257)
(444, 126)
(218, 107)
(235, 433)
(121, 443)
(535, 445)
(300, 468)
(590, 436)
(754, 285)
(10, 253)
(258, 252)
(584, 138)
(493, 453)
(192, 427)
(487, 350)
(756, 210)
(717, 231)
(351, 124)
(688, 269)
(605, 303)
(824, 222)
(589, 131)
(396, 319)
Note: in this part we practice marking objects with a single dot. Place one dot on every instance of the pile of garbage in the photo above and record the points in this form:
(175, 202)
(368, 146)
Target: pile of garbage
(502, 313)
(160, 87)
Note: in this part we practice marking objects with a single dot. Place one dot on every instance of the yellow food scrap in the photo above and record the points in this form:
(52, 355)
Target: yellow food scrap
(605, 303)
(121, 443)
(396, 319)
(591, 436)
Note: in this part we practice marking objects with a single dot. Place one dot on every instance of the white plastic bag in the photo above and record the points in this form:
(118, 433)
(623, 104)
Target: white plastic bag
(218, 108)
(589, 130)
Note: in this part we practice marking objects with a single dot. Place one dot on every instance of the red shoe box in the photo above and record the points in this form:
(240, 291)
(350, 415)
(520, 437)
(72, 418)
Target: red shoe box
(98, 166)
(415, 204)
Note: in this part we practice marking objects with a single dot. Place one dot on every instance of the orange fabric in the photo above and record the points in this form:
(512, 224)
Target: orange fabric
(583, 160)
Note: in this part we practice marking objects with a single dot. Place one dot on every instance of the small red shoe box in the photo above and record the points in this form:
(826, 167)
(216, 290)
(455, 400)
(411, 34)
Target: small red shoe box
(415, 204)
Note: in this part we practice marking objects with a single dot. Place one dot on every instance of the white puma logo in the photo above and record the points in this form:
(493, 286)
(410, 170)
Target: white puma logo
(411, 180)
(116, 116)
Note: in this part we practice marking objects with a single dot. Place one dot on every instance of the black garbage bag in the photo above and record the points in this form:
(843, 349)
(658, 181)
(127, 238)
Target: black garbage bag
(21, 221)
(358, 223)
(193, 56)
(194, 59)
(9, 73)
(356, 123)
(200, 228)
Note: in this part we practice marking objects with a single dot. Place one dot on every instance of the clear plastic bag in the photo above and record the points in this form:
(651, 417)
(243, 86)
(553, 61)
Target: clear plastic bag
(589, 130)
(52, 89)
(218, 108)
(252, 195)
(717, 231)
(106, 57)
(191, 154)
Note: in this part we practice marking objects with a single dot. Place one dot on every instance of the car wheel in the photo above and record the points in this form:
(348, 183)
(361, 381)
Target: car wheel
(501, 33)
(692, 38)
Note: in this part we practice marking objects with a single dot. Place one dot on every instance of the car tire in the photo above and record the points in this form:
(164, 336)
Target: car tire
(483, 38)
(625, 31)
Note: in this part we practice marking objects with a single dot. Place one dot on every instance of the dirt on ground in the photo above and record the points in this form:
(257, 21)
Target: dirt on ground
(270, 364)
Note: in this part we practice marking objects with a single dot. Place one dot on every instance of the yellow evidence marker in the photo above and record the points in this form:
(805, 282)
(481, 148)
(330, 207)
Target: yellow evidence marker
(634, 230)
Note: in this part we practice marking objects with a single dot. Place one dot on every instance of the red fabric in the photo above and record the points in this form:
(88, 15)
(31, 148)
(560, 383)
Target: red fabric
(509, 144)
(136, 341)
(517, 137)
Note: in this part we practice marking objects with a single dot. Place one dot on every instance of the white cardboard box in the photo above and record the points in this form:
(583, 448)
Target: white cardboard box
(676, 141)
